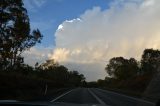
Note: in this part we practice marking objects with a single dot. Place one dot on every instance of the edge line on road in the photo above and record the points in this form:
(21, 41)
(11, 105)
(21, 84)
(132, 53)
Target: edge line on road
(61, 96)
(97, 98)
(127, 96)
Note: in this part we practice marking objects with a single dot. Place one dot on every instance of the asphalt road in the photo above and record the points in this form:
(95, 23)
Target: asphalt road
(83, 97)
(97, 97)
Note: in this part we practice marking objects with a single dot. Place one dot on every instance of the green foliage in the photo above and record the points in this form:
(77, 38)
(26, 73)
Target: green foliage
(130, 75)
(121, 68)
(15, 36)
(75, 78)
(60, 75)
(32, 81)
(150, 61)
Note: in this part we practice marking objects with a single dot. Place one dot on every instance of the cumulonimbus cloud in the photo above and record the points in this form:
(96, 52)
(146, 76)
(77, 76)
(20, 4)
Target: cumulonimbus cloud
(124, 29)
(36, 54)
(86, 43)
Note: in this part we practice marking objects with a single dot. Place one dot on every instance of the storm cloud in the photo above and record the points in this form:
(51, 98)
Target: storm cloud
(125, 29)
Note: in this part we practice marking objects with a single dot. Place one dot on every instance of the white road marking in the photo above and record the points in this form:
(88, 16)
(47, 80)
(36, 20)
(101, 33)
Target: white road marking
(140, 100)
(9, 101)
(61, 96)
(98, 99)
(46, 88)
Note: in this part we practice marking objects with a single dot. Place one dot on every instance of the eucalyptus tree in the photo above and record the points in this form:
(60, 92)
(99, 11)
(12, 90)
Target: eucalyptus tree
(121, 68)
(150, 61)
(15, 33)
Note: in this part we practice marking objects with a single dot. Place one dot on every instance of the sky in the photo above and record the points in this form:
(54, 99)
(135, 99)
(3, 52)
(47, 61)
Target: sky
(84, 34)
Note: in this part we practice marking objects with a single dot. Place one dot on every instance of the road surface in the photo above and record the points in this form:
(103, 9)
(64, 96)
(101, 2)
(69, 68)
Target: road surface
(97, 97)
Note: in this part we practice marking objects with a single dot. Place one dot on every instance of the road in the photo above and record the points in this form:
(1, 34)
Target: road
(97, 97)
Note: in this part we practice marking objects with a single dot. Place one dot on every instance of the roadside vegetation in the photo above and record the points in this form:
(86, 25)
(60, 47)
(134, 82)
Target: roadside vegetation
(130, 76)
(21, 81)
(27, 82)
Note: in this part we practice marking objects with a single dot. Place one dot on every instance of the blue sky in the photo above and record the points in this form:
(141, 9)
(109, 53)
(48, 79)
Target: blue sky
(97, 31)
(47, 15)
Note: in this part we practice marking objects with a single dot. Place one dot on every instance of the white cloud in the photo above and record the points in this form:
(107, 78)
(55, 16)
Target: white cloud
(125, 29)
(60, 27)
(60, 54)
(36, 54)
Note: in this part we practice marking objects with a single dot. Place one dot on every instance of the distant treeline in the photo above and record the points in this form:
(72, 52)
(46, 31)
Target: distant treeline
(55, 75)
(25, 81)
(129, 75)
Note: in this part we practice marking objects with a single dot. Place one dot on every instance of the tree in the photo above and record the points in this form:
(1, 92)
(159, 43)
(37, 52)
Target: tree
(121, 68)
(15, 36)
(150, 61)
(60, 75)
(101, 83)
(76, 79)
(49, 64)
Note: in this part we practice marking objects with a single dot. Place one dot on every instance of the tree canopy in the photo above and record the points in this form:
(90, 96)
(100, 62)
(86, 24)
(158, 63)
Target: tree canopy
(60, 74)
(121, 68)
(15, 34)
(150, 61)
